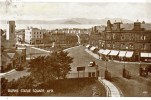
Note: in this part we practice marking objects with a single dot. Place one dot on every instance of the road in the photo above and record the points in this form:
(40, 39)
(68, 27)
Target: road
(16, 74)
(137, 86)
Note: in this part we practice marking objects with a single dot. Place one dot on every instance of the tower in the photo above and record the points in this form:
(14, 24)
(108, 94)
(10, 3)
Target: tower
(10, 34)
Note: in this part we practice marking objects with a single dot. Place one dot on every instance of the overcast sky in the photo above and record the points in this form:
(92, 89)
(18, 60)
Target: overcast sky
(51, 11)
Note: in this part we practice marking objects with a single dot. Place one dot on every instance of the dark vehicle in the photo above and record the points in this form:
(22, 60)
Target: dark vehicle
(144, 71)
(92, 64)
(19, 68)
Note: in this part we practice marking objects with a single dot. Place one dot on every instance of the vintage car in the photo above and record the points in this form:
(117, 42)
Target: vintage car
(92, 64)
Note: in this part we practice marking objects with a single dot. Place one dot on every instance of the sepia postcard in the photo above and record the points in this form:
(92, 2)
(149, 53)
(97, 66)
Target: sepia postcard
(75, 48)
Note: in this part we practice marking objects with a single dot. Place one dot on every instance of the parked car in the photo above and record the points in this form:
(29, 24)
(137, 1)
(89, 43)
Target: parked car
(92, 64)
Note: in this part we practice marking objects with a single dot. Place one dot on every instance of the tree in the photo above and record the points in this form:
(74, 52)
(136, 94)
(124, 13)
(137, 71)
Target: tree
(25, 82)
(60, 61)
(54, 66)
(40, 69)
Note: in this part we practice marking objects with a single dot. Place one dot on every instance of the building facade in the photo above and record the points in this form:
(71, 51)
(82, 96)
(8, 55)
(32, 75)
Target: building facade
(132, 38)
(20, 36)
(34, 35)
(84, 36)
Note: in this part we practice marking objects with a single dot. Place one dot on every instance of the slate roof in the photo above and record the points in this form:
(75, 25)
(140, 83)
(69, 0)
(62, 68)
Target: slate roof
(147, 26)
(130, 26)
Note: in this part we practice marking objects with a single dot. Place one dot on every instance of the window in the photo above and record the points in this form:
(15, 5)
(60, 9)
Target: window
(108, 45)
(113, 45)
(143, 37)
(131, 46)
(123, 46)
(93, 74)
(114, 36)
(122, 37)
(144, 46)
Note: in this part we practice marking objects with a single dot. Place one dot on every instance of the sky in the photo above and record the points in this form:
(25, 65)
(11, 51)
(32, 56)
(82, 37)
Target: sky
(65, 10)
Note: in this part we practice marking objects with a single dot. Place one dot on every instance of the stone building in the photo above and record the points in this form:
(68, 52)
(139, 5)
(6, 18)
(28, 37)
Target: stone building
(20, 36)
(97, 37)
(61, 37)
(8, 38)
(34, 35)
(84, 36)
(130, 41)
(10, 54)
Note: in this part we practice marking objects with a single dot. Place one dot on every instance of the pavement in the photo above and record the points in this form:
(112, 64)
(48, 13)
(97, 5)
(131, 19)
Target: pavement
(41, 49)
(1, 74)
(92, 54)
(112, 90)
(97, 57)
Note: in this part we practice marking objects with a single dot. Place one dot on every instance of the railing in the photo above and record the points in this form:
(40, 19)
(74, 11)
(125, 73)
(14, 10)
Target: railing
(108, 91)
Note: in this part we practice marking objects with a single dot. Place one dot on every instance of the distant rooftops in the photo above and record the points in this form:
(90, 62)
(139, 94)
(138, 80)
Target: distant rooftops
(129, 26)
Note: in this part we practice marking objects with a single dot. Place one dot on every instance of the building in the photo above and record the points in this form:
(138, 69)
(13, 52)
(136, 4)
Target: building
(8, 38)
(97, 37)
(12, 57)
(61, 37)
(130, 41)
(84, 36)
(10, 54)
(34, 35)
(20, 36)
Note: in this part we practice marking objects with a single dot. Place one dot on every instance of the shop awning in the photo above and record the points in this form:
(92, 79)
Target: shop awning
(101, 51)
(122, 53)
(92, 48)
(87, 46)
(144, 54)
(106, 52)
(148, 55)
(129, 54)
(113, 52)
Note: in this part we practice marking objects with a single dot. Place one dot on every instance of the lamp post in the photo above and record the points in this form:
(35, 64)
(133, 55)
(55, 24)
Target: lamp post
(106, 70)
(124, 69)
(125, 57)
(140, 69)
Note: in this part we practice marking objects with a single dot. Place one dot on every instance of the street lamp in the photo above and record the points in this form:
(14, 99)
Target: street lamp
(125, 57)
(124, 70)
(140, 69)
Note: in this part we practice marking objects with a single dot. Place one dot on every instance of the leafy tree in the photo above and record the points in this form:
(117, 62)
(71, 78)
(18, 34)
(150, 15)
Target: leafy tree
(54, 66)
(60, 61)
(40, 69)
(25, 82)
